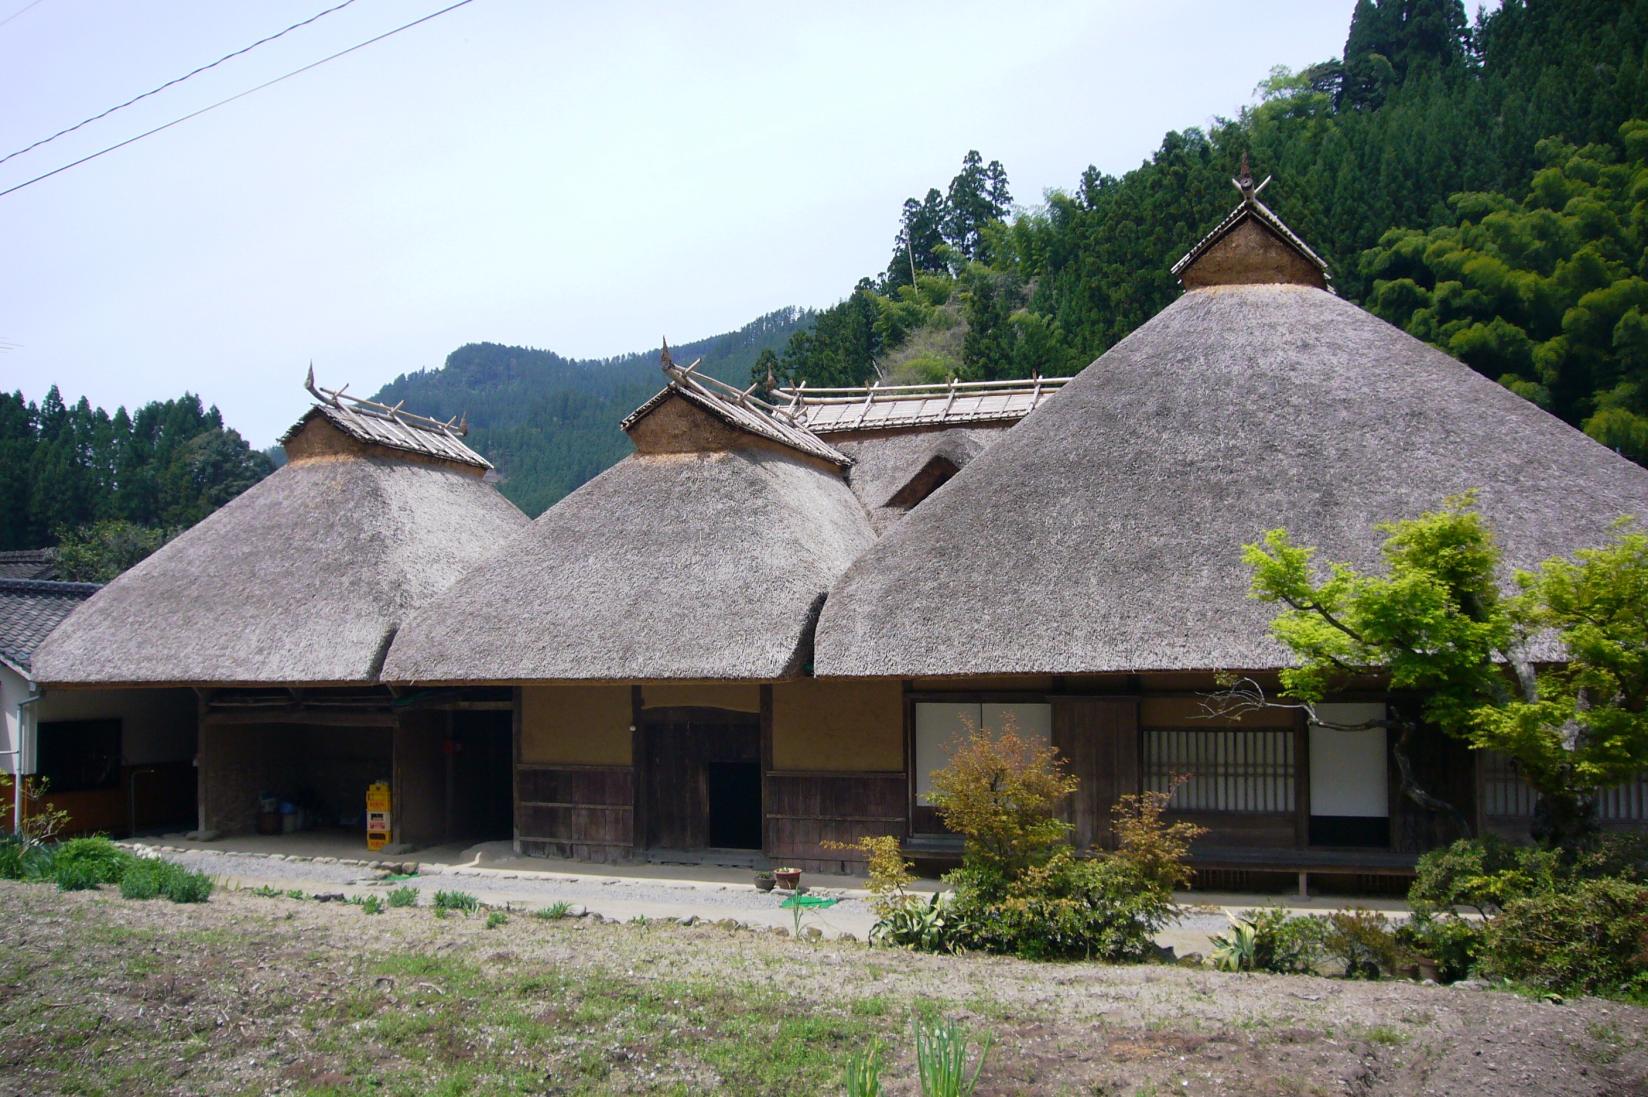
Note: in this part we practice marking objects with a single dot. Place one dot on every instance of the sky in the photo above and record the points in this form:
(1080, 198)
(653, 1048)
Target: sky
(582, 178)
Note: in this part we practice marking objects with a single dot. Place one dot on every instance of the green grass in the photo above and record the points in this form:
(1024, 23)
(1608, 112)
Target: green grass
(554, 912)
(403, 897)
(456, 900)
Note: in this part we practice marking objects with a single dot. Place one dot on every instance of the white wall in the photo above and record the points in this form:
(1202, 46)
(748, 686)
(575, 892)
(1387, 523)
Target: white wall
(14, 688)
(938, 723)
(1347, 768)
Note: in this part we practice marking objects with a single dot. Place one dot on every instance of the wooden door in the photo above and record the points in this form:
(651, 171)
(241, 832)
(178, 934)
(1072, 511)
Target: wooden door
(680, 745)
(1098, 737)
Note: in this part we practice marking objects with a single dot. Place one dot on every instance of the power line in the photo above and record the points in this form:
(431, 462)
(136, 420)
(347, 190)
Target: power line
(20, 11)
(172, 83)
(232, 98)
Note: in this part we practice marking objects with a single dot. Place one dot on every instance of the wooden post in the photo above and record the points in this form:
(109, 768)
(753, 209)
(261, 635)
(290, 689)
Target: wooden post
(1301, 787)
(515, 771)
(638, 771)
(766, 763)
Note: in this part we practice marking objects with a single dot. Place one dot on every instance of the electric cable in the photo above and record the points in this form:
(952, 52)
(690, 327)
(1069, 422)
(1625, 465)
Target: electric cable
(173, 83)
(232, 98)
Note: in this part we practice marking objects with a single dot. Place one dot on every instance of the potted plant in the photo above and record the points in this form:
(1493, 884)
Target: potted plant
(764, 881)
(788, 878)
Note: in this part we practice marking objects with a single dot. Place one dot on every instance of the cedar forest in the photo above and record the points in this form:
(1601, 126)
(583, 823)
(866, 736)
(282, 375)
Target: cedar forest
(1484, 187)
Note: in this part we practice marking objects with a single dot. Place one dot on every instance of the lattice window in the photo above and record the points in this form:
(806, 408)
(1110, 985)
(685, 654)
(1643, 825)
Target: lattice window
(1506, 793)
(1245, 770)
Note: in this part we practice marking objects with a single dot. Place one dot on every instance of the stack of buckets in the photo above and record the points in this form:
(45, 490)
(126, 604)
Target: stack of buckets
(377, 815)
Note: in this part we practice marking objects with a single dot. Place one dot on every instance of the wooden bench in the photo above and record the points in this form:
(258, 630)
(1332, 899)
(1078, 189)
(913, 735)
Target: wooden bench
(1306, 862)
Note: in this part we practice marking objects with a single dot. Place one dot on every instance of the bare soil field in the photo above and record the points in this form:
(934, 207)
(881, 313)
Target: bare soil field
(249, 995)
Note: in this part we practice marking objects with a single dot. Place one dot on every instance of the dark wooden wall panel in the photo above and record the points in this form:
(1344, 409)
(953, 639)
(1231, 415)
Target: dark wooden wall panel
(805, 810)
(585, 812)
(1099, 739)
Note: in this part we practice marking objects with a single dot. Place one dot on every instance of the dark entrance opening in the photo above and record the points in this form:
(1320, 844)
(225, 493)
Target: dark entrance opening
(735, 805)
(480, 793)
(703, 779)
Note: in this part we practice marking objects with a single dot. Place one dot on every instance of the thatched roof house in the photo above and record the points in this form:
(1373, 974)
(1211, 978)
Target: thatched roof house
(1103, 534)
(304, 577)
(702, 555)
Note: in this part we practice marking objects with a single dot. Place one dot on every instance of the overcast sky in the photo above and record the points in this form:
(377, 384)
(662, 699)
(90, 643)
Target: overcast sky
(582, 177)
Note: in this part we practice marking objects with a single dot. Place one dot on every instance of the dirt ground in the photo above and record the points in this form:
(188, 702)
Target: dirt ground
(251, 994)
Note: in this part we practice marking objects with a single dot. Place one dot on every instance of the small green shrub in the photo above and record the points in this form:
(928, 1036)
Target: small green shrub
(264, 891)
(496, 918)
(1591, 938)
(141, 881)
(403, 897)
(151, 877)
(924, 925)
(1362, 940)
(1270, 939)
(23, 860)
(372, 904)
(554, 912)
(862, 1076)
(941, 1058)
(95, 859)
(1451, 942)
(456, 900)
(1068, 908)
(1481, 873)
(296, 893)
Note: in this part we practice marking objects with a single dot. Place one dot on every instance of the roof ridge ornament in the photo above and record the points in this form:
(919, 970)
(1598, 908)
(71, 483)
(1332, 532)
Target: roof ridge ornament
(1244, 182)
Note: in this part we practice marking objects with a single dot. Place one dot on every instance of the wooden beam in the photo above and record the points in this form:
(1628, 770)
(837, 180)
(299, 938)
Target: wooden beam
(220, 718)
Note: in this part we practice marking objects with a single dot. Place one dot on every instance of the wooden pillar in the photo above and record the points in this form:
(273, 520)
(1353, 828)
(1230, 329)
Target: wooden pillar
(766, 764)
(1301, 786)
(638, 770)
(515, 772)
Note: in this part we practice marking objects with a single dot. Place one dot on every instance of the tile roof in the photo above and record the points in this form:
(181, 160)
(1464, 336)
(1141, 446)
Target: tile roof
(28, 564)
(382, 425)
(838, 410)
(30, 609)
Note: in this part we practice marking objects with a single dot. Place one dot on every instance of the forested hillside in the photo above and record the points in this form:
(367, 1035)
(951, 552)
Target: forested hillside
(1425, 124)
(549, 423)
(114, 483)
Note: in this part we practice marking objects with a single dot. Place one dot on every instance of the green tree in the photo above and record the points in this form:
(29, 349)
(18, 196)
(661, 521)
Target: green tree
(98, 552)
(1436, 626)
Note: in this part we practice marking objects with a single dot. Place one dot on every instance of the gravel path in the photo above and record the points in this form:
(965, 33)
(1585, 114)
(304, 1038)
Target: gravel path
(620, 898)
(617, 898)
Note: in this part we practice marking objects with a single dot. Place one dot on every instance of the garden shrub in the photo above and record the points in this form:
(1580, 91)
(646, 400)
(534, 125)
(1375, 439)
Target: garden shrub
(1069, 908)
(1482, 873)
(21, 860)
(152, 877)
(1589, 938)
(1021, 888)
(1362, 940)
(889, 873)
(1003, 794)
(1159, 851)
(1451, 942)
(96, 860)
(1271, 939)
(456, 900)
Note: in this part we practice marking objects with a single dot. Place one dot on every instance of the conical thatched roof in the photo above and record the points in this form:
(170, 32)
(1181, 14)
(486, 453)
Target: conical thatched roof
(302, 579)
(1103, 532)
(704, 565)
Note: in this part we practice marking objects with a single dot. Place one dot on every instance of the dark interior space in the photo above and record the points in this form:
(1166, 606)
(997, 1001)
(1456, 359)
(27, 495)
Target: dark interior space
(480, 777)
(735, 805)
(1350, 830)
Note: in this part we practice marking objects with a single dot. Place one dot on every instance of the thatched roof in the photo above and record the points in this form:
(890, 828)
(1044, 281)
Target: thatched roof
(886, 407)
(380, 425)
(1103, 533)
(302, 579)
(739, 409)
(1251, 245)
(29, 610)
(706, 565)
(887, 462)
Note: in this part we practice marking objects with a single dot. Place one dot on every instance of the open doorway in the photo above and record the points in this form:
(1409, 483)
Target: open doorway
(703, 780)
(480, 800)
